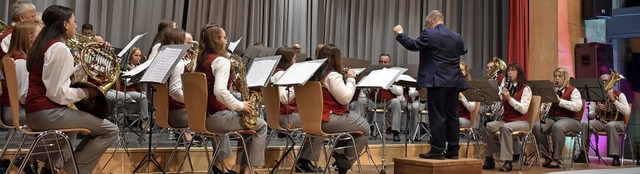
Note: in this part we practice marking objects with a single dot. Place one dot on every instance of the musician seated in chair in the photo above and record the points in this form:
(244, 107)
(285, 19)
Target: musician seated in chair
(561, 118)
(464, 106)
(225, 111)
(50, 66)
(415, 106)
(610, 118)
(392, 98)
(289, 118)
(516, 97)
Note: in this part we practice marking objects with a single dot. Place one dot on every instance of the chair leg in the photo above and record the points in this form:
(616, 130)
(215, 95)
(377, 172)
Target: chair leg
(537, 152)
(15, 157)
(624, 140)
(246, 152)
(187, 156)
(333, 149)
(175, 148)
(355, 149)
(41, 138)
(12, 133)
(368, 151)
(215, 153)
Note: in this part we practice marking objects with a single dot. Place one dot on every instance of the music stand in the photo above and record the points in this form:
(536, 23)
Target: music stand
(369, 69)
(300, 57)
(158, 72)
(591, 90)
(354, 62)
(544, 89)
(267, 51)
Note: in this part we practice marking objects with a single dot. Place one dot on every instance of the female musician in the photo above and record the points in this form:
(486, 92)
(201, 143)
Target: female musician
(162, 26)
(465, 107)
(23, 35)
(516, 97)
(561, 118)
(133, 90)
(224, 109)
(618, 105)
(290, 118)
(337, 94)
(50, 66)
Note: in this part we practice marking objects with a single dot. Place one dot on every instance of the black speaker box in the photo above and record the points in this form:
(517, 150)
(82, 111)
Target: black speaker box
(593, 59)
(596, 9)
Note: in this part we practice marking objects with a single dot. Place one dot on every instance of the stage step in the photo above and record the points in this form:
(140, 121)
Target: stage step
(411, 165)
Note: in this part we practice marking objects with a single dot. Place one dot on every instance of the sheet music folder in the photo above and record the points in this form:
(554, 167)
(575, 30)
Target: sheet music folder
(382, 78)
(590, 89)
(261, 70)
(163, 64)
(544, 89)
(482, 91)
(299, 73)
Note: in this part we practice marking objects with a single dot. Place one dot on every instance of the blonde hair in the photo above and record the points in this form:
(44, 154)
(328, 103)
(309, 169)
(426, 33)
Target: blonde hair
(565, 75)
(466, 68)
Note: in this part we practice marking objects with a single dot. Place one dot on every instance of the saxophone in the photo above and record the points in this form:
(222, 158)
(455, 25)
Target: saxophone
(615, 77)
(191, 57)
(240, 83)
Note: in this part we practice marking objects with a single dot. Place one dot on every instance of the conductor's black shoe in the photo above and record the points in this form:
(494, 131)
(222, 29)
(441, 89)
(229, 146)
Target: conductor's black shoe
(433, 155)
(506, 167)
(616, 160)
(396, 135)
(488, 163)
(29, 168)
(451, 156)
(580, 159)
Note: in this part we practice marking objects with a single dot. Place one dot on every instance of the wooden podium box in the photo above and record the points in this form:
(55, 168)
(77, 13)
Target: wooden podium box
(411, 165)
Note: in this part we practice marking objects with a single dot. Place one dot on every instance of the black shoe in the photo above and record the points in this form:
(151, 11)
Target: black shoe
(580, 159)
(549, 164)
(30, 168)
(506, 167)
(616, 160)
(433, 155)
(516, 157)
(307, 167)
(396, 135)
(451, 156)
(46, 171)
(488, 164)
(341, 163)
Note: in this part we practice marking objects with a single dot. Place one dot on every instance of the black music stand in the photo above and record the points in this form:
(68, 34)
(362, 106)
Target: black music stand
(544, 89)
(480, 92)
(591, 90)
(158, 72)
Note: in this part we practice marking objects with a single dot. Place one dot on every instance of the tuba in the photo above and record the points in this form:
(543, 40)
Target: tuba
(240, 83)
(101, 69)
(498, 65)
(191, 57)
(615, 77)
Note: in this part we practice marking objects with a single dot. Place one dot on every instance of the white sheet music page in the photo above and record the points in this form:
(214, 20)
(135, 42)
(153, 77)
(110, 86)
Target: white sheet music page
(407, 78)
(233, 45)
(300, 73)
(259, 72)
(159, 68)
(358, 70)
(138, 69)
(126, 48)
(382, 78)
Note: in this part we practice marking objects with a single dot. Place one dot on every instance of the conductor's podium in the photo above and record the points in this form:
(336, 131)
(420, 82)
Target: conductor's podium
(411, 165)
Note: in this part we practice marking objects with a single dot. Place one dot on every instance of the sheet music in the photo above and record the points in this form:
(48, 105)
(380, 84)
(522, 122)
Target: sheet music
(162, 66)
(260, 72)
(299, 73)
(382, 78)
(233, 45)
(138, 69)
(407, 78)
(358, 70)
(134, 40)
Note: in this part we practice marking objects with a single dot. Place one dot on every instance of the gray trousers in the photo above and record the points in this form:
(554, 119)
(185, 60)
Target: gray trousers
(90, 149)
(347, 123)
(507, 148)
(224, 121)
(178, 118)
(7, 116)
(612, 128)
(464, 123)
(311, 148)
(141, 101)
(558, 127)
(394, 109)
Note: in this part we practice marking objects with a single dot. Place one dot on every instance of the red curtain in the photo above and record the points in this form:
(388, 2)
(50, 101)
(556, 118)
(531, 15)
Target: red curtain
(519, 33)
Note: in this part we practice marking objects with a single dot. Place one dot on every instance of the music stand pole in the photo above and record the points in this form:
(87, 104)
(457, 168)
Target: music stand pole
(595, 149)
(150, 157)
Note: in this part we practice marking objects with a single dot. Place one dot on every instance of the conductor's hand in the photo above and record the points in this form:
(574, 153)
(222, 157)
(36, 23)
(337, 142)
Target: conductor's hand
(351, 73)
(247, 107)
(398, 29)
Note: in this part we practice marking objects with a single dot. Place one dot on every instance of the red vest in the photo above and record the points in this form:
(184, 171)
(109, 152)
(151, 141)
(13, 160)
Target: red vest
(356, 95)
(3, 35)
(331, 105)
(286, 109)
(4, 98)
(173, 103)
(213, 105)
(463, 111)
(37, 99)
(383, 95)
(612, 114)
(558, 111)
(511, 114)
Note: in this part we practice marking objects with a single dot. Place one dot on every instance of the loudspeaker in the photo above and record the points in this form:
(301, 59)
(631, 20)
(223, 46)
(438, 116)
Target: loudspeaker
(593, 59)
(596, 9)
